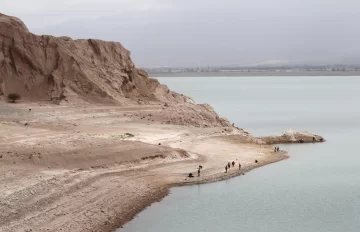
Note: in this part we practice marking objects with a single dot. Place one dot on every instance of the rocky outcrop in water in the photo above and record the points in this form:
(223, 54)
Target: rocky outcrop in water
(290, 136)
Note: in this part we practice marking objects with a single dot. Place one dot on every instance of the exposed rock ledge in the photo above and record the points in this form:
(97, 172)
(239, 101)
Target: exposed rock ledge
(290, 136)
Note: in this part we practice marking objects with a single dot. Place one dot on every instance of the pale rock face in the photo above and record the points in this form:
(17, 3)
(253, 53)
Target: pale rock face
(289, 134)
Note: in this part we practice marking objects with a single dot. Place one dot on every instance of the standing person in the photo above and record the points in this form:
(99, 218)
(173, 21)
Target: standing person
(233, 163)
(198, 172)
(278, 148)
(239, 166)
(229, 165)
(226, 167)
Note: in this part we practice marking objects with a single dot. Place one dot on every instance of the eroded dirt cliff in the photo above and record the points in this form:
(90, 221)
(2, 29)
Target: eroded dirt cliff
(63, 70)
(59, 68)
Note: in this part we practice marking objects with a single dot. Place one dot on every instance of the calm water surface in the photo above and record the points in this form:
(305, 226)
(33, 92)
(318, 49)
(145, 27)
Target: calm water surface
(317, 189)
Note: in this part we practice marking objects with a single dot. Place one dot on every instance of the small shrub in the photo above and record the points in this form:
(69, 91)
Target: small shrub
(12, 97)
(123, 136)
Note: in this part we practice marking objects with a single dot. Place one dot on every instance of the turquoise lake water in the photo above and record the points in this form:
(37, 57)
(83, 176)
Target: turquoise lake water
(316, 190)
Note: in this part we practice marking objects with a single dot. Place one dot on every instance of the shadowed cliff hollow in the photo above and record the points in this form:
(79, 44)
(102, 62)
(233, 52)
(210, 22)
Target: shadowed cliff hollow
(62, 70)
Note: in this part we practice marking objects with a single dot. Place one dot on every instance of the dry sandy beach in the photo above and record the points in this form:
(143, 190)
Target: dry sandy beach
(95, 140)
(68, 168)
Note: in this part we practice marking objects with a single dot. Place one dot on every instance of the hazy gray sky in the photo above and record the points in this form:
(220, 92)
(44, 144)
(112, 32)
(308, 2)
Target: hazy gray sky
(205, 32)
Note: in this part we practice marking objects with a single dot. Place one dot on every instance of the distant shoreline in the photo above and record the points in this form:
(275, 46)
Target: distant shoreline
(255, 74)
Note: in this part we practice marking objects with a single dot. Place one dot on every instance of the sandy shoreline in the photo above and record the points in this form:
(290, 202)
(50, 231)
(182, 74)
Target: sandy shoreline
(166, 189)
(115, 143)
(65, 168)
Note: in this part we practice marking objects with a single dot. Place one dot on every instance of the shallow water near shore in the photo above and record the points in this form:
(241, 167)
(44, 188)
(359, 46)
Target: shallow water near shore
(317, 189)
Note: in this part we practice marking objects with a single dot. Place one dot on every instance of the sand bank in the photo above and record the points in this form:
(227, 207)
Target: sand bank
(66, 168)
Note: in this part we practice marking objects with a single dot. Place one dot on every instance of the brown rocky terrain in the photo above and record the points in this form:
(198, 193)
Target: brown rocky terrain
(62, 70)
(114, 142)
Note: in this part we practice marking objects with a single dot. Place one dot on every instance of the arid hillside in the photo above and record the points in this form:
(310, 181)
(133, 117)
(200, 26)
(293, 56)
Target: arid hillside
(67, 71)
(59, 68)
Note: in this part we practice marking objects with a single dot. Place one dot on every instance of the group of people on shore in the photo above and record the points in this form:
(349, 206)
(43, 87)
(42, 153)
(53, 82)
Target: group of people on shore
(228, 166)
(199, 171)
(233, 165)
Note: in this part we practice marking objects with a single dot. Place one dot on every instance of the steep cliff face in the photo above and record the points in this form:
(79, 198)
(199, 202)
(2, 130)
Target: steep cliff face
(59, 68)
